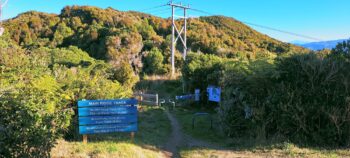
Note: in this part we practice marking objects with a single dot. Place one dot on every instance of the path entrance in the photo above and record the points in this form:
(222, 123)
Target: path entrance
(179, 140)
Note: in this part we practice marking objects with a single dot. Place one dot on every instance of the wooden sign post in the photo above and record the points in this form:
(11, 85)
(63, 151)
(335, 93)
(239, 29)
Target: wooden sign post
(107, 116)
(132, 135)
(85, 139)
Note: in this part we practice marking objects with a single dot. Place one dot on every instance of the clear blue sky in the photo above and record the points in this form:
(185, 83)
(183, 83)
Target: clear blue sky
(322, 19)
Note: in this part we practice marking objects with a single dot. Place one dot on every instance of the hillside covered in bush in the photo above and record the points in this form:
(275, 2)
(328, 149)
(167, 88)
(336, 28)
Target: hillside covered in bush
(119, 37)
(39, 89)
(272, 89)
(301, 98)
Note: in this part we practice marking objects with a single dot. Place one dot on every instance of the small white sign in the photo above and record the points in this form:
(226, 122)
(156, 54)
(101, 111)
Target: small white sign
(197, 94)
(2, 30)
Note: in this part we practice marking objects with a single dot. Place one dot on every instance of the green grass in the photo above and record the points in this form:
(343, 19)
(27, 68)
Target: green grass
(154, 129)
(202, 128)
(240, 147)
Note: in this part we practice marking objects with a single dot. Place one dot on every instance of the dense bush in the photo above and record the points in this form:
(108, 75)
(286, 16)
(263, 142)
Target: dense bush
(303, 98)
(341, 51)
(39, 90)
(115, 36)
(32, 118)
(153, 62)
(34, 110)
(125, 75)
(202, 70)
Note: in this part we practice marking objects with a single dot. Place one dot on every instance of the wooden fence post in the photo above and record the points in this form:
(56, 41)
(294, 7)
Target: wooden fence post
(157, 100)
(141, 97)
(85, 139)
(132, 135)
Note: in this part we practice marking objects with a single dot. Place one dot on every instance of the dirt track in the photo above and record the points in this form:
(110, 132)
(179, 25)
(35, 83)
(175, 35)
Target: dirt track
(179, 140)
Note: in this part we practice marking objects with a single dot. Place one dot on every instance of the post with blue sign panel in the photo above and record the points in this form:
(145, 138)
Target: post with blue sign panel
(107, 116)
(197, 95)
(214, 94)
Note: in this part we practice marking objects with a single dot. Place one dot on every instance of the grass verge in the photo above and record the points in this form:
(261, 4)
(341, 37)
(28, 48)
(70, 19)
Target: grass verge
(239, 147)
(154, 129)
(202, 127)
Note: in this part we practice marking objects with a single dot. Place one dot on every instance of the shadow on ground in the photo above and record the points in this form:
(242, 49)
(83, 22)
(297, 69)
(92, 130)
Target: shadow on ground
(214, 143)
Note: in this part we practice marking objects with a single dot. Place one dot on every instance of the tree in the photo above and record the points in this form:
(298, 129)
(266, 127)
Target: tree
(153, 62)
(342, 49)
(61, 33)
(125, 75)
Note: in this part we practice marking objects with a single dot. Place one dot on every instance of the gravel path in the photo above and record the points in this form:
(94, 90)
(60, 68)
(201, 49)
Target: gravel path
(179, 140)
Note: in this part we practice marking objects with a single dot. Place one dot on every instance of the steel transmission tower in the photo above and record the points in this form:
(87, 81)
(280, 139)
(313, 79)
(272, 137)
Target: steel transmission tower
(2, 4)
(178, 34)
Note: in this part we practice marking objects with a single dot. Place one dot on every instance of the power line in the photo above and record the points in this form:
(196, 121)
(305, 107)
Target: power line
(159, 11)
(201, 11)
(282, 31)
(265, 27)
(152, 8)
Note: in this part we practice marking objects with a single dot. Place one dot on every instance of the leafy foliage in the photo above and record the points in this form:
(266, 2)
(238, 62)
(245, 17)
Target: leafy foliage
(39, 89)
(303, 98)
(199, 71)
(342, 50)
(115, 36)
(154, 62)
(32, 119)
(226, 37)
(48, 62)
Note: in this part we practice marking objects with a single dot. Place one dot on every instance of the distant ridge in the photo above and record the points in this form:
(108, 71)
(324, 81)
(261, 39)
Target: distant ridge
(321, 45)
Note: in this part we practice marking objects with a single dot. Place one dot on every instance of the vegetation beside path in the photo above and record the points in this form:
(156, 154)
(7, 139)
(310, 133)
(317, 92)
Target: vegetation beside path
(154, 129)
(225, 147)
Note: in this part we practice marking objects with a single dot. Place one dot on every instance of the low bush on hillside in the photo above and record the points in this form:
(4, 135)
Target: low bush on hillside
(39, 90)
(303, 98)
(154, 63)
(32, 119)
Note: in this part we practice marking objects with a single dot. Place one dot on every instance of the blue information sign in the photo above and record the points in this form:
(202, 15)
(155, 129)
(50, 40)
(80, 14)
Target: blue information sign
(97, 103)
(184, 97)
(214, 94)
(98, 111)
(95, 129)
(99, 120)
(106, 116)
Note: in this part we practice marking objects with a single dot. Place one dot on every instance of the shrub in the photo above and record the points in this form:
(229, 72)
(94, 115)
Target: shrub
(125, 75)
(202, 70)
(91, 82)
(341, 51)
(153, 62)
(303, 98)
(39, 91)
(33, 116)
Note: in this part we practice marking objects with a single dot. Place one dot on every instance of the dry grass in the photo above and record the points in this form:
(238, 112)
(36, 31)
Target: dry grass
(162, 77)
(292, 151)
(208, 153)
(154, 129)
(66, 149)
(232, 148)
